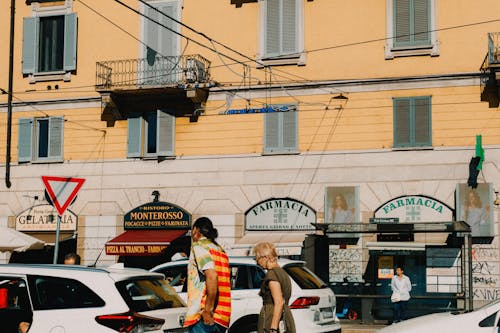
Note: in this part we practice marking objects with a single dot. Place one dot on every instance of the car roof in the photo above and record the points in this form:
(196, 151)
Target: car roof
(233, 260)
(116, 272)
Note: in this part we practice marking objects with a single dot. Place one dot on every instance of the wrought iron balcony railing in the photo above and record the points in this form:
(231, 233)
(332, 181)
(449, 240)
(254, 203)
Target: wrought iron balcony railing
(155, 72)
(493, 55)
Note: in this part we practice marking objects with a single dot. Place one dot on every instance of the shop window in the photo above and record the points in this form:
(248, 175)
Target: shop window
(40, 139)
(49, 43)
(151, 135)
(281, 32)
(412, 122)
(281, 130)
(411, 28)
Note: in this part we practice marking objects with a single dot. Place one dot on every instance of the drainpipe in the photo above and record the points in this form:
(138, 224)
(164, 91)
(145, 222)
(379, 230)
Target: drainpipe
(9, 96)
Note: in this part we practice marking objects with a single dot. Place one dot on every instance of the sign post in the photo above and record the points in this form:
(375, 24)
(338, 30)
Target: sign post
(62, 191)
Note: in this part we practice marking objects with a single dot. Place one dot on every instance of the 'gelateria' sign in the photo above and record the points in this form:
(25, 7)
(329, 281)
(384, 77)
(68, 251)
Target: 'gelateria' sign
(280, 214)
(44, 218)
(415, 208)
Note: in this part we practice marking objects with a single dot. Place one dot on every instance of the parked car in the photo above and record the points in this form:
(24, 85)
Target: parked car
(312, 302)
(483, 320)
(77, 299)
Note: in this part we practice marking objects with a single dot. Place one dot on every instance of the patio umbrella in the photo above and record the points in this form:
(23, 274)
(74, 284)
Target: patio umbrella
(13, 240)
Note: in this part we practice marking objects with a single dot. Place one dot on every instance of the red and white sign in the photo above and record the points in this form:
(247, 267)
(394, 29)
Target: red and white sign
(62, 190)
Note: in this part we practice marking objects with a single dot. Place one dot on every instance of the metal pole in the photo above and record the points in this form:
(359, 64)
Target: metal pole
(9, 97)
(470, 293)
(56, 247)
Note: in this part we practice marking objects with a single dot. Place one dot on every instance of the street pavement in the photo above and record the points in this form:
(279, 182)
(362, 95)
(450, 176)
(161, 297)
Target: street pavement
(356, 326)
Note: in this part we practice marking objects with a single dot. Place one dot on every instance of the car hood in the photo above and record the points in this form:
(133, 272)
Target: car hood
(443, 322)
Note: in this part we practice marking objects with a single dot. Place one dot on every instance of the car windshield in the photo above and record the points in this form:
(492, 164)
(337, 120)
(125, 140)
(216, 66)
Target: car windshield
(146, 294)
(304, 277)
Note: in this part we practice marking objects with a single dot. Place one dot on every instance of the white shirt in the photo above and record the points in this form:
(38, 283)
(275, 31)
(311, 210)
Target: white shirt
(403, 286)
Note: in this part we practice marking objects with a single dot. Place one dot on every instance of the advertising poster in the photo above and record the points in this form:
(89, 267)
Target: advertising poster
(474, 207)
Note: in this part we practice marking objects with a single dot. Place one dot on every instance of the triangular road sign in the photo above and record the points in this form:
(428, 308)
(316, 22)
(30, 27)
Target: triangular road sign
(62, 190)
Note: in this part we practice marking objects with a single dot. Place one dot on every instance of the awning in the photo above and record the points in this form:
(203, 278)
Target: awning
(13, 240)
(287, 243)
(142, 242)
(400, 246)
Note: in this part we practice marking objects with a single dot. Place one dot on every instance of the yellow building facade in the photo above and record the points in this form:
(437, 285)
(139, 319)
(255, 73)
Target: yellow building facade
(235, 102)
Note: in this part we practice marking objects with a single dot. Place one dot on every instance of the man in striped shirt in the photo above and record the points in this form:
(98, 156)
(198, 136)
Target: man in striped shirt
(209, 283)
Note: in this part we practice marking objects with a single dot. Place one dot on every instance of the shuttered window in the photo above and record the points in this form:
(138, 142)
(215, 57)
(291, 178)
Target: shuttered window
(40, 139)
(281, 130)
(412, 22)
(281, 28)
(49, 44)
(151, 134)
(412, 122)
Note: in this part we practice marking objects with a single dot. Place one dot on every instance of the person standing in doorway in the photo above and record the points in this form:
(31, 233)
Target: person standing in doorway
(401, 287)
(209, 285)
(276, 289)
(72, 259)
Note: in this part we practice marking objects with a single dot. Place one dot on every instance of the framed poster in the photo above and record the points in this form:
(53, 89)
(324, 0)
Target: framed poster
(342, 204)
(474, 207)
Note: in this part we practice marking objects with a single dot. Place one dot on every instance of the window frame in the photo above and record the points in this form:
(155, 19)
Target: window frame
(69, 49)
(141, 143)
(34, 140)
(281, 149)
(392, 51)
(412, 144)
(298, 58)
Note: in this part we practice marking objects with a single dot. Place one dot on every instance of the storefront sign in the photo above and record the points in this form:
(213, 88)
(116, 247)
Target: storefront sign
(280, 214)
(135, 250)
(157, 215)
(415, 208)
(44, 218)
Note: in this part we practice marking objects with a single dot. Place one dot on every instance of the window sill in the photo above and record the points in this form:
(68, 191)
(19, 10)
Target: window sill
(153, 158)
(410, 51)
(49, 76)
(271, 153)
(412, 148)
(42, 161)
(294, 59)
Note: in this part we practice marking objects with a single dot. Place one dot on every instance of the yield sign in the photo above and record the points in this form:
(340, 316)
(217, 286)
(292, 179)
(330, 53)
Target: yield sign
(62, 191)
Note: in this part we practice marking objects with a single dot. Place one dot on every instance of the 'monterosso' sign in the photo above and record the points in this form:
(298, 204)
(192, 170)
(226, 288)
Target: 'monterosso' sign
(415, 208)
(44, 218)
(280, 214)
(157, 215)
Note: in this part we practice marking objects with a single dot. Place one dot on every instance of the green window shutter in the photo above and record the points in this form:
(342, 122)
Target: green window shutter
(272, 132)
(30, 44)
(422, 116)
(402, 130)
(289, 27)
(402, 16)
(289, 120)
(421, 21)
(25, 139)
(166, 134)
(272, 28)
(70, 39)
(134, 136)
(56, 130)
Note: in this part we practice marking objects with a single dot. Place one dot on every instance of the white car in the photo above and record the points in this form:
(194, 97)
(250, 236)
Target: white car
(77, 299)
(483, 320)
(312, 302)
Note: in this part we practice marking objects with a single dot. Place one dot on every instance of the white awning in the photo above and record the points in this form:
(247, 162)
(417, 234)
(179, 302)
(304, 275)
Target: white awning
(287, 243)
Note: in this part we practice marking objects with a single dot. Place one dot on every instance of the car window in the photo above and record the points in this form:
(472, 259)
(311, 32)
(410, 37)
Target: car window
(147, 294)
(246, 277)
(488, 321)
(49, 292)
(15, 306)
(175, 275)
(304, 277)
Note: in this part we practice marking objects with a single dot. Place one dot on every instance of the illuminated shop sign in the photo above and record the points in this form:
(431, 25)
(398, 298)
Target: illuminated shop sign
(157, 215)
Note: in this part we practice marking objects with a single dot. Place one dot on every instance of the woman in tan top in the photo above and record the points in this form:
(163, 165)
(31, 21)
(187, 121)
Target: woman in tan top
(275, 291)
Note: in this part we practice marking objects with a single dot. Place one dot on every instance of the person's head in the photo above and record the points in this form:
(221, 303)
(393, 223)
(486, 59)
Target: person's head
(399, 271)
(265, 254)
(72, 259)
(340, 202)
(203, 227)
(473, 199)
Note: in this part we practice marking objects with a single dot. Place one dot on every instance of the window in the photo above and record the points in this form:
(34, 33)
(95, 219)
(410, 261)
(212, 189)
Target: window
(40, 139)
(281, 32)
(245, 277)
(280, 130)
(151, 134)
(412, 122)
(14, 303)
(176, 277)
(411, 28)
(61, 293)
(146, 294)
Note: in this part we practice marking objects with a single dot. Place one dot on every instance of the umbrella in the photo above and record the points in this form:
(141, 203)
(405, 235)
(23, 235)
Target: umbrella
(13, 240)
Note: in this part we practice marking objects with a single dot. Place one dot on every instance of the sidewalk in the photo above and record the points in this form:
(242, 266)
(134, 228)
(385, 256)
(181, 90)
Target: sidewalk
(356, 326)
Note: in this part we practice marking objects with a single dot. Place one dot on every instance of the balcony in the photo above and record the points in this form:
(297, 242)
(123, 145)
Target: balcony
(176, 83)
(490, 71)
